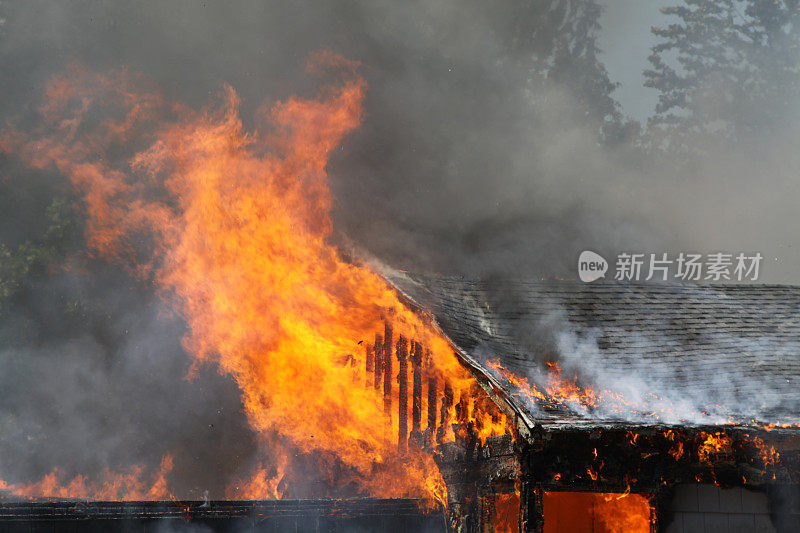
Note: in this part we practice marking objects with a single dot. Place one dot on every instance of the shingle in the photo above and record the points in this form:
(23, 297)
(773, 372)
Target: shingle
(682, 334)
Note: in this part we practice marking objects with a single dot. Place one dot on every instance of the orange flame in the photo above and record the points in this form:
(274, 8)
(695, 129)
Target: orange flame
(714, 445)
(769, 456)
(235, 228)
(506, 509)
(132, 484)
(623, 513)
(676, 450)
(557, 392)
(591, 511)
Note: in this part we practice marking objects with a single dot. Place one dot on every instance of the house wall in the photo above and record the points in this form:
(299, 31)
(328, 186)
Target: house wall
(710, 509)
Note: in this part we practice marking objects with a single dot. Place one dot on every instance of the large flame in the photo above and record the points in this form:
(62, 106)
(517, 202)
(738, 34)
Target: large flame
(234, 226)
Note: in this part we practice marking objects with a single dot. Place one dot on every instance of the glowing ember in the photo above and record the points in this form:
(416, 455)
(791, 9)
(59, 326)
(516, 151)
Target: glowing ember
(234, 228)
(767, 453)
(676, 451)
(714, 445)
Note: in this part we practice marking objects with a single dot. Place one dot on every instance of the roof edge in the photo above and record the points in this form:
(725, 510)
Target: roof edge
(523, 423)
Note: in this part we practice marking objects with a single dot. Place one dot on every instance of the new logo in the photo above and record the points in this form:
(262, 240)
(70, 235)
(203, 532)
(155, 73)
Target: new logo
(591, 266)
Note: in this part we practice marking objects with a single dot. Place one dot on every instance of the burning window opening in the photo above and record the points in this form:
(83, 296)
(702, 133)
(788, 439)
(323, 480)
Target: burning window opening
(504, 512)
(592, 512)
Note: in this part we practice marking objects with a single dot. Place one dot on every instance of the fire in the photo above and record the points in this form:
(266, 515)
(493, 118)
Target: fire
(767, 454)
(714, 445)
(234, 227)
(601, 512)
(557, 390)
(265, 483)
(506, 509)
(676, 450)
(132, 484)
(623, 513)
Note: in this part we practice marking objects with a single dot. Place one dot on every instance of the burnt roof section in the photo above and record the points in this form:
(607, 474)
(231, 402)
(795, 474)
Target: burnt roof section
(660, 354)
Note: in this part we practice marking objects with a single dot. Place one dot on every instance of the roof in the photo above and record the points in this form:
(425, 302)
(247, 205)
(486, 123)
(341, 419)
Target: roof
(654, 354)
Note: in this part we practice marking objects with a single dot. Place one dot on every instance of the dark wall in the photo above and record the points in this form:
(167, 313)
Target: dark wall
(229, 517)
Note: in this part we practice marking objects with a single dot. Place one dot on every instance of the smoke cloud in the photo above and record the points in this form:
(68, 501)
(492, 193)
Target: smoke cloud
(467, 162)
(114, 395)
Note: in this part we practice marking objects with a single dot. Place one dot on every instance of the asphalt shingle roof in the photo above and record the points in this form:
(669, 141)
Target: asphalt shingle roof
(657, 353)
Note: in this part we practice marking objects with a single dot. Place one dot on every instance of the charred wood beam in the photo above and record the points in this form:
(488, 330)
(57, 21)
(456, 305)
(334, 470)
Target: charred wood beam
(432, 386)
(387, 371)
(369, 364)
(447, 405)
(416, 402)
(378, 349)
(475, 474)
(532, 517)
(402, 394)
(462, 410)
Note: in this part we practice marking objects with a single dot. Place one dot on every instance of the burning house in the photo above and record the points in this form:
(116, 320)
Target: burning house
(398, 402)
(676, 409)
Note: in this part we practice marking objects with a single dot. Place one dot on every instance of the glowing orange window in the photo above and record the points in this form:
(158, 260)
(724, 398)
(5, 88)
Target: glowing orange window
(595, 512)
(505, 514)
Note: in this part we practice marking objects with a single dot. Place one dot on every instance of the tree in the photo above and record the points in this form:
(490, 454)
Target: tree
(562, 37)
(727, 71)
(32, 257)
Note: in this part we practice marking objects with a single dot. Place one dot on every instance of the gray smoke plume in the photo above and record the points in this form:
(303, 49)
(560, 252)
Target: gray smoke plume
(647, 377)
(705, 387)
(93, 377)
